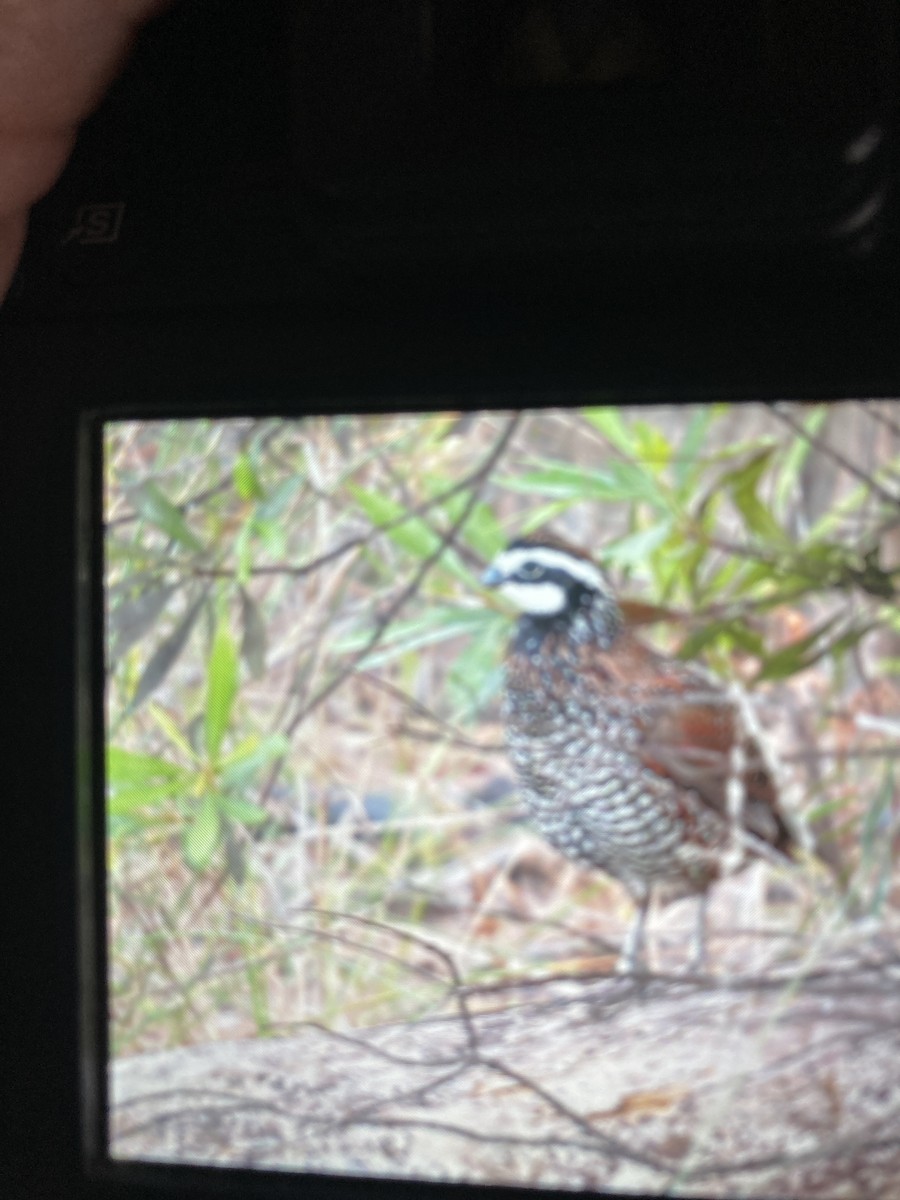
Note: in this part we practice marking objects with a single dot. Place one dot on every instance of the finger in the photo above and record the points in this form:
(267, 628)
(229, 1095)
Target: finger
(57, 58)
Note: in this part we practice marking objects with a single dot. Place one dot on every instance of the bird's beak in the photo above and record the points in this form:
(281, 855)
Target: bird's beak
(492, 577)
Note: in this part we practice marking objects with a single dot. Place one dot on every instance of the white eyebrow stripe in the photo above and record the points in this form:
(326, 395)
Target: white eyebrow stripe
(585, 572)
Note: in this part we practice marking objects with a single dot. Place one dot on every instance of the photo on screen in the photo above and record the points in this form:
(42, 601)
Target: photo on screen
(506, 796)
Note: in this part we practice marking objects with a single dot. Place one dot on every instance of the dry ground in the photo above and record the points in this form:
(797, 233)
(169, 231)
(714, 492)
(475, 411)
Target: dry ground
(777, 1083)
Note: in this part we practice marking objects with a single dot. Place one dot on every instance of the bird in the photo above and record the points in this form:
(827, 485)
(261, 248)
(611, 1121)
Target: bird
(629, 761)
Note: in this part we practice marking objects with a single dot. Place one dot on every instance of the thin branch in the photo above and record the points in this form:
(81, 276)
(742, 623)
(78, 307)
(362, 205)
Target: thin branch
(475, 482)
(876, 414)
(779, 411)
(452, 733)
(472, 480)
(383, 621)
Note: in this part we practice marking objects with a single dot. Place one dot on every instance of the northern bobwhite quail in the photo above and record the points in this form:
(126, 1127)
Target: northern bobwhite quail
(625, 757)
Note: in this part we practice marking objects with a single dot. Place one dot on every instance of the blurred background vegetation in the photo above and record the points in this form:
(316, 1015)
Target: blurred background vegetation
(310, 813)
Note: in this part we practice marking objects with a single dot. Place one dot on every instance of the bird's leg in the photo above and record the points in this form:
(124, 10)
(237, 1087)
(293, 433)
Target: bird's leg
(632, 953)
(697, 961)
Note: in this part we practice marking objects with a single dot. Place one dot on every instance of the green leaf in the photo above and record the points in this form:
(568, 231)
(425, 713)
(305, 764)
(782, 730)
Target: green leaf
(165, 656)
(619, 481)
(243, 811)
(221, 688)
(563, 482)
(437, 625)
(477, 672)
(686, 464)
(699, 639)
(127, 799)
(277, 501)
(796, 457)
(634, 549)
(482, 530)
(835, 519)
(651, 447)
(243, 553)
(253, 635)
(154, 506)
(742, 485)
(272, 535)
(637, 482)
(125, 766)
(412, 535)
(238, 768)
(172, 731)
(799, 654)
(610, 423)
(135, 616)
(136, 781)
(202, 834)
(543, 514)
(689, 557)
(246, 481)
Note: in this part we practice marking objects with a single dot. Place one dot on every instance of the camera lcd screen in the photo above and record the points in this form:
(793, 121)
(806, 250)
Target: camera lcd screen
(410, 717)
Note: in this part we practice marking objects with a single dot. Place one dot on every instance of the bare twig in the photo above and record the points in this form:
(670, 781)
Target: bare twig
(475, 483)
(780, 411)
(451, 732)
(874, 413)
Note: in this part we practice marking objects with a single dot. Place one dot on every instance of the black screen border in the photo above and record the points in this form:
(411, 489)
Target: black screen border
(61, 380)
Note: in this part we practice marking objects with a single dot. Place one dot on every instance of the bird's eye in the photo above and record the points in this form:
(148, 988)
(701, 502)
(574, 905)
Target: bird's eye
(531, 570)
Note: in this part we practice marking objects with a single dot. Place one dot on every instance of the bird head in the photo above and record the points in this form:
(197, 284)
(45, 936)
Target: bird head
(545, 578)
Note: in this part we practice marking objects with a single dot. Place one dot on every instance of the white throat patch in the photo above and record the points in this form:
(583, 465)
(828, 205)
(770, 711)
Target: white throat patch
(536, 599)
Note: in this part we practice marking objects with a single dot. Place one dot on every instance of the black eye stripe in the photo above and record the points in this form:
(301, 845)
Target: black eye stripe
(536, 572)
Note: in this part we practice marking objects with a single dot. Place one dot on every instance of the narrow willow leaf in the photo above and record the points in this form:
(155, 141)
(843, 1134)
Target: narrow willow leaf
(638, 482)
(272, 535)
(797, 655)
(634, 549)
(172, 731)
(243, 554)
(482, 530)
(413, 535)
(202, 834)
(128, 800)
(253, 635)
(221, 688)
(279, 498)
(125, 766)
(238, 768)
(435, 627)
(561, 481)
(700, 639)
(243, 811)
(651, 446)
(134, 617)
(165, 656)
(687, 463)
(477, 672)
(155, 507)
(611, 424)
(742, 485)
(620, 481)
(543, 514)
(796, 457)
(246, 481)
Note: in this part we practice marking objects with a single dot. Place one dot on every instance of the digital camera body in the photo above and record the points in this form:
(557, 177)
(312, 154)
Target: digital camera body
(354, 205)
